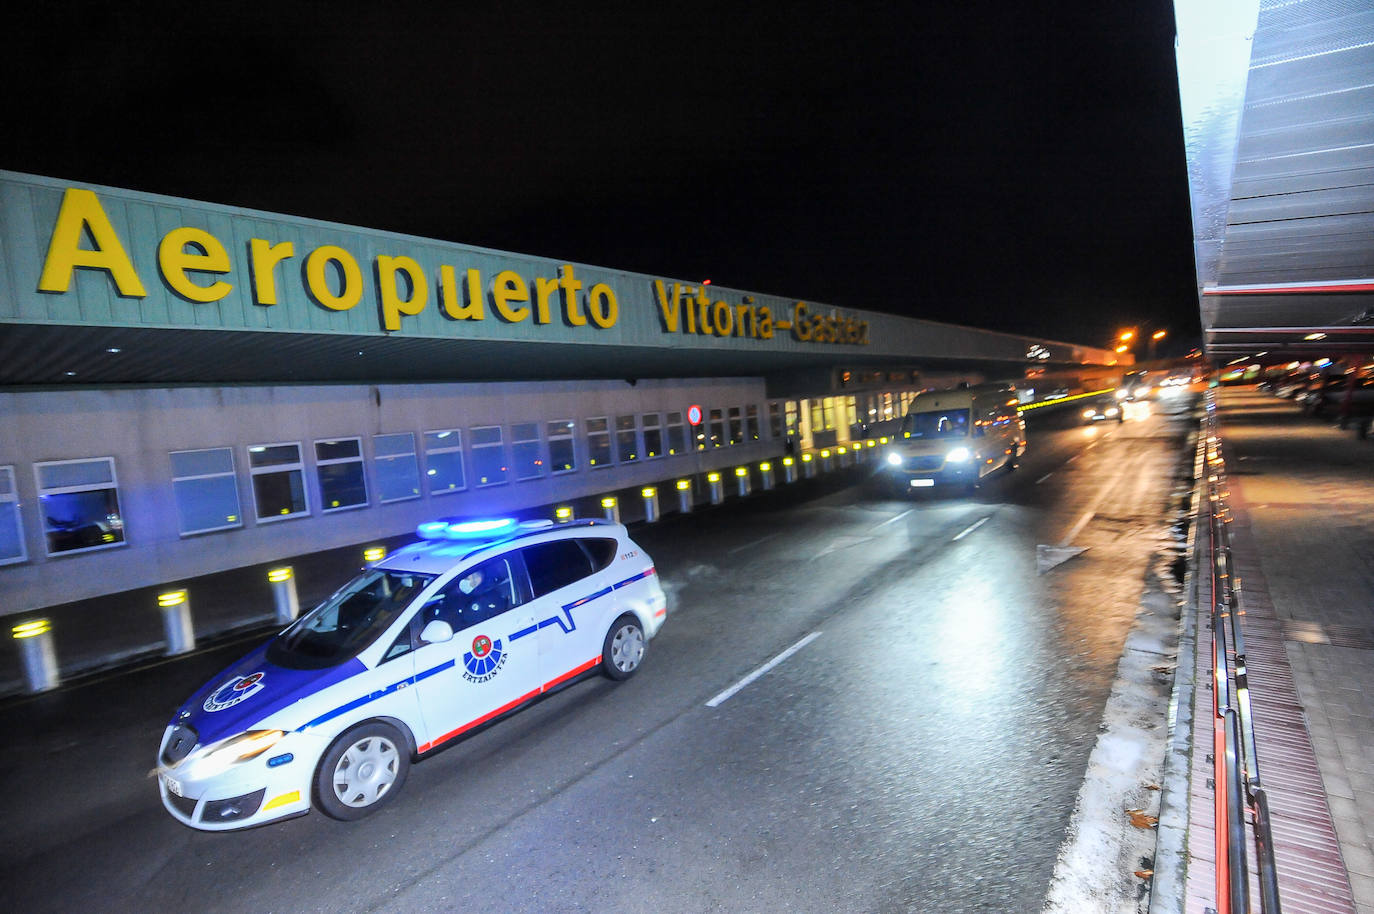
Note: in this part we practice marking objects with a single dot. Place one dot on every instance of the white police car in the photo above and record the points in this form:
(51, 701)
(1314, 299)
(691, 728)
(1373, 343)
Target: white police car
(474, 621)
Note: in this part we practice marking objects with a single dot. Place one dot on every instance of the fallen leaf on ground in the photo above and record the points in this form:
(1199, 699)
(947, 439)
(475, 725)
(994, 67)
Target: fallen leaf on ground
(1144, 874)
(1140, 820)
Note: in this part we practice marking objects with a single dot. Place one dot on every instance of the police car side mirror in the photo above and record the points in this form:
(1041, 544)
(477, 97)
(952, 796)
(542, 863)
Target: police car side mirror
(437, 630)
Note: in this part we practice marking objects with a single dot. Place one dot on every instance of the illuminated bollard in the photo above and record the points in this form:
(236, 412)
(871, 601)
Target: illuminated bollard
(37, 655)
(176, 621)
(283, 581)
(612, 509)
(842, 457)
(562, 513)
(714, 485)
(808, 465)
(684, 496)
(650, 495)
(742, 481)
(766, 471)
(870, 444)
(826, 460)
(789, 470)
(374, 554)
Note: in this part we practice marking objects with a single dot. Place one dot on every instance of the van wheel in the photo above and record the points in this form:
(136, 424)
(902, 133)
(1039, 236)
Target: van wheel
(623, 650)
(363, 769)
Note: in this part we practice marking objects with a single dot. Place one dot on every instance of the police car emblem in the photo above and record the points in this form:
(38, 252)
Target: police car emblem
(484, 660)
(238, 689)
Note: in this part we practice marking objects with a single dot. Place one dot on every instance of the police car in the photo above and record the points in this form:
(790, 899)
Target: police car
(472, 622)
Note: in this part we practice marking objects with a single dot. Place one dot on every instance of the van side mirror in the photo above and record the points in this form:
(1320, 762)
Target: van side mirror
(437, 630)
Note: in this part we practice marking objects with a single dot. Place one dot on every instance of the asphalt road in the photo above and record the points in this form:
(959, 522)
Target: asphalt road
(921, 752)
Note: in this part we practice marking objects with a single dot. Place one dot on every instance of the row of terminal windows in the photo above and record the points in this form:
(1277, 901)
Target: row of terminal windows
(79, 499)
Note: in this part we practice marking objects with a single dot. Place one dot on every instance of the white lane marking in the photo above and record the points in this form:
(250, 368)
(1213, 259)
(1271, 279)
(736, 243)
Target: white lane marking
(756, 542)
(730, 692)
(1073, 458)
(970, 528)
(893, 520)
(1043, 478)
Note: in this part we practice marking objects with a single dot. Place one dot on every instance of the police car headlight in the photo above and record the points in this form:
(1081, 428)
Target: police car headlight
(958, 455)
(219, 757)
(894, 458)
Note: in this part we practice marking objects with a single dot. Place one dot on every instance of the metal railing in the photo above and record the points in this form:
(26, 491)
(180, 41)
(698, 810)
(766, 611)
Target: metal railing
(1239, 794)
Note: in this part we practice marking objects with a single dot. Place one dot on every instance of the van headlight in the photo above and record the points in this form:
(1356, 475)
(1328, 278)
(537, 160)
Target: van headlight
(1121, 393)
(958, 455)
(894, 458)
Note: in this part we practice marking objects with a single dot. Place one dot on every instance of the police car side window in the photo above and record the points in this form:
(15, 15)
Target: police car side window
(556, 564)
(477, 594)
(602, 552)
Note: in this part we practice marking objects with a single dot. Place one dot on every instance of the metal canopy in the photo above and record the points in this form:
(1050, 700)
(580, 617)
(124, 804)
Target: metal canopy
(1278, 107)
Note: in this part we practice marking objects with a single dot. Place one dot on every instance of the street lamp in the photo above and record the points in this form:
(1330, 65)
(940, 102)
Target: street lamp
(1155, 338)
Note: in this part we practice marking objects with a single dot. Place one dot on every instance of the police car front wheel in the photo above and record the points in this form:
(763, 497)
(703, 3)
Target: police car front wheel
(363, 769)
(623, 650)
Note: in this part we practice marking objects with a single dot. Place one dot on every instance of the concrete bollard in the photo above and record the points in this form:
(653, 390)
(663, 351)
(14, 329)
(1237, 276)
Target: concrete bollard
(283, 581)
(766, 472)
(612, 508)
(684, 496)
(743, 483)
(842, 457)
(650, 495)
(36, 653)
(789, 470)
(808, 465)
(714, 485)
(176, 622)
(827, 460)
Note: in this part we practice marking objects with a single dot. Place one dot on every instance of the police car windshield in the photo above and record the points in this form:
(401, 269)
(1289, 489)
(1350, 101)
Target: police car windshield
(347, 622)
(940, 423)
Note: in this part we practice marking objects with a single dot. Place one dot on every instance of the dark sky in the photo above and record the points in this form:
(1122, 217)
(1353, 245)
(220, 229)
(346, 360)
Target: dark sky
(1018, 168)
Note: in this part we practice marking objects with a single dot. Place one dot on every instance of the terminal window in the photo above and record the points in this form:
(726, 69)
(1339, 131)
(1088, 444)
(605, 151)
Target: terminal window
(398, 471)
(11, 525)
(598, 442)
(278, 481)
(205, 489)
(339, 465)
(653, 435)
(678, 442)
(526, 453)
(488, 455)
(444, 461)
(627, 438)
(562, 458)
(78, 501)
(717, 429)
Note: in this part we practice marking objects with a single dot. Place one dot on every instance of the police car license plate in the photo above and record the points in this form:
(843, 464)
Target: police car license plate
(922, 483)
(173, 787)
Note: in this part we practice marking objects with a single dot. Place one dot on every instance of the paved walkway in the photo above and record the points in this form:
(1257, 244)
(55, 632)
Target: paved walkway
(1302, 501)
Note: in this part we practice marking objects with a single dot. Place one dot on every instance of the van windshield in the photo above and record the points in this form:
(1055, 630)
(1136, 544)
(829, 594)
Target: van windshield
(939, 423)
(348, 621)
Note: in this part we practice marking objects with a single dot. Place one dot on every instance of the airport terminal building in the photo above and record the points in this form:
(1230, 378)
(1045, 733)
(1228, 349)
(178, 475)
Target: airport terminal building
(187, 388)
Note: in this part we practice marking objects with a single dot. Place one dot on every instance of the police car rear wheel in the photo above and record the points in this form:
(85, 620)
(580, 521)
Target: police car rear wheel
(363, 769)
(624, 647)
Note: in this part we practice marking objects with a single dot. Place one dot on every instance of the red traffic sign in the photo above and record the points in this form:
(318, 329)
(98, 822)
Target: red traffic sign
(694, 414)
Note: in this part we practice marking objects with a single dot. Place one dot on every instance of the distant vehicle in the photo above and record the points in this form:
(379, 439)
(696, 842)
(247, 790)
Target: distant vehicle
(473, 622)
(1334, 396)
(1102, 411)
(956, 436)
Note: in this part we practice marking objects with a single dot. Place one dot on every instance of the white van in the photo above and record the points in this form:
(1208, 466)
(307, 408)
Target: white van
(957, 436)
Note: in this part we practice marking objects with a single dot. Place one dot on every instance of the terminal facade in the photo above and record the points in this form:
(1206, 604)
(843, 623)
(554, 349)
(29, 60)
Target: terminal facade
(187, 388)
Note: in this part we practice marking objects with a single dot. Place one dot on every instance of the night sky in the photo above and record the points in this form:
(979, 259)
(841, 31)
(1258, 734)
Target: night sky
(1018, 168)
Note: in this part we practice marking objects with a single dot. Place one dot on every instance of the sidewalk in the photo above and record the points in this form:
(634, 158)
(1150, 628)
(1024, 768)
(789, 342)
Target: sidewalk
(1302, 501)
